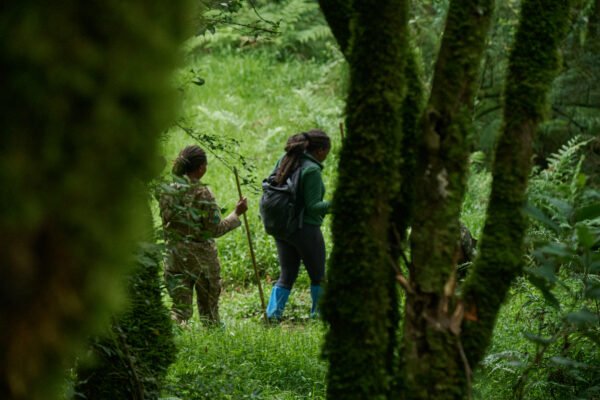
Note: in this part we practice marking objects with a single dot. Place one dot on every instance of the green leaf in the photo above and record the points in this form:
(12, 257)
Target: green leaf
(588, 212)
(581, 180)
(539, 339)
(546, 271)
(539, 216)
(567, 362)
(146, 261)
(593, 293)
(582, 317)
(544, 287)
(562, 206)
(556, 249)
(594, 337)
(585, 236)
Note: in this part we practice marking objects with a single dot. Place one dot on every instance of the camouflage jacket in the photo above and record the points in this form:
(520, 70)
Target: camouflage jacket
(189, 213)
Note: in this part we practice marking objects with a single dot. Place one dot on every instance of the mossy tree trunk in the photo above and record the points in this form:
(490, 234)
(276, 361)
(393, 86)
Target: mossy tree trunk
(432, 364)
(361, 289)
(533, 64)
(444, 336)
(338, 14)
(85, 89)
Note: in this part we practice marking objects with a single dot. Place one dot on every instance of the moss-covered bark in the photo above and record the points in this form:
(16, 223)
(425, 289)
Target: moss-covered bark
(412, 107)
(84, 96)
(533, 65)
(359, 294)
(436, 357)
(594, 26)
(433, 367)
(338, 14)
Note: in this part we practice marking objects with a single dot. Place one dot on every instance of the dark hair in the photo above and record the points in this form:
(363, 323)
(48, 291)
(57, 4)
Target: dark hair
(189, 159)
(296, 145)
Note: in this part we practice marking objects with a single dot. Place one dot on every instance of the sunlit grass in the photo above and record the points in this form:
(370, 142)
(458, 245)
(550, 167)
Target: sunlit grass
(245, 359)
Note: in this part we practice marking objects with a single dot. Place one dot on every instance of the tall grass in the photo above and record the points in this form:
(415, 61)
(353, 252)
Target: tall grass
(245, 359)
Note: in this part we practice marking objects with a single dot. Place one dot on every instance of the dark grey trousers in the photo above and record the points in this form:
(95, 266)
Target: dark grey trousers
(306, 245)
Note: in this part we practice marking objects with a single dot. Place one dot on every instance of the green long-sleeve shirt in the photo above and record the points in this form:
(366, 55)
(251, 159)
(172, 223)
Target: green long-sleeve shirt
(313, 191)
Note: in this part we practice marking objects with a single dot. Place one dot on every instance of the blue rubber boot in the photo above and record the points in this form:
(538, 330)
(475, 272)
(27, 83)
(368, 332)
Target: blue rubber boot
(315, 295)
(279, 297)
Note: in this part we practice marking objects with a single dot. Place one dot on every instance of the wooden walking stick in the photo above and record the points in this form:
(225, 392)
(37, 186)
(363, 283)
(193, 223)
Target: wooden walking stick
(342, 130)
(260, 291)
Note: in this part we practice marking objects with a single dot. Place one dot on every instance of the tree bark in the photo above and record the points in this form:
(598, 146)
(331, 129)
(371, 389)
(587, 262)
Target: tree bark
(338, 14)
(433, 367)
(361, 291)
(533, 64)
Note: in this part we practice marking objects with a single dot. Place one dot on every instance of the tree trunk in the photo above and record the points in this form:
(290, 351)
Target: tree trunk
(361, 287)
(433, 367)
(338, 14)
(533, 64)
(436, 359)
(85, 89)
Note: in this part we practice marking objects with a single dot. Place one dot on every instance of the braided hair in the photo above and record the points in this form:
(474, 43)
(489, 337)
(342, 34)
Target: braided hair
(189, 160)
(296, 145)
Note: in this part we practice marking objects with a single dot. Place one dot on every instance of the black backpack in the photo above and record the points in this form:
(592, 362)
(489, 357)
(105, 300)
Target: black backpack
(281, 207)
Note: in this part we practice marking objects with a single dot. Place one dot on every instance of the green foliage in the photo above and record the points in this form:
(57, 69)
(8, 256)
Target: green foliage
(488, 103)
(132, 360)
(556, 309)
(574, 94)
(284, 29)
(477, 194)
(240, 15)
(427, 20)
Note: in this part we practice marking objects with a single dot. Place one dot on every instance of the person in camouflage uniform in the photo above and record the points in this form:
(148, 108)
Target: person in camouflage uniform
(191, 221)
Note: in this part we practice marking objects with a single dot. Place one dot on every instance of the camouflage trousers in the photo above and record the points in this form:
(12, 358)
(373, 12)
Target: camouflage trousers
(194, 266)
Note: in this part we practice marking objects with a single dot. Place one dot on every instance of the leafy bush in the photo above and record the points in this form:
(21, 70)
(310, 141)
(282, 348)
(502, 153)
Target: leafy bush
(561, 319)
(132, 360)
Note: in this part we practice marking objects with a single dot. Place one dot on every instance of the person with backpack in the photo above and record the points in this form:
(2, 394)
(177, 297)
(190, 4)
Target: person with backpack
(301, 238)
(191, 221)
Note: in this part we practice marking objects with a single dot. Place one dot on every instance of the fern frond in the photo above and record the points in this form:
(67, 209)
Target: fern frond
(566, 156)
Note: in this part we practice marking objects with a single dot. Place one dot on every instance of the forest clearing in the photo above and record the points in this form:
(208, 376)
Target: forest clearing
(440, 116)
